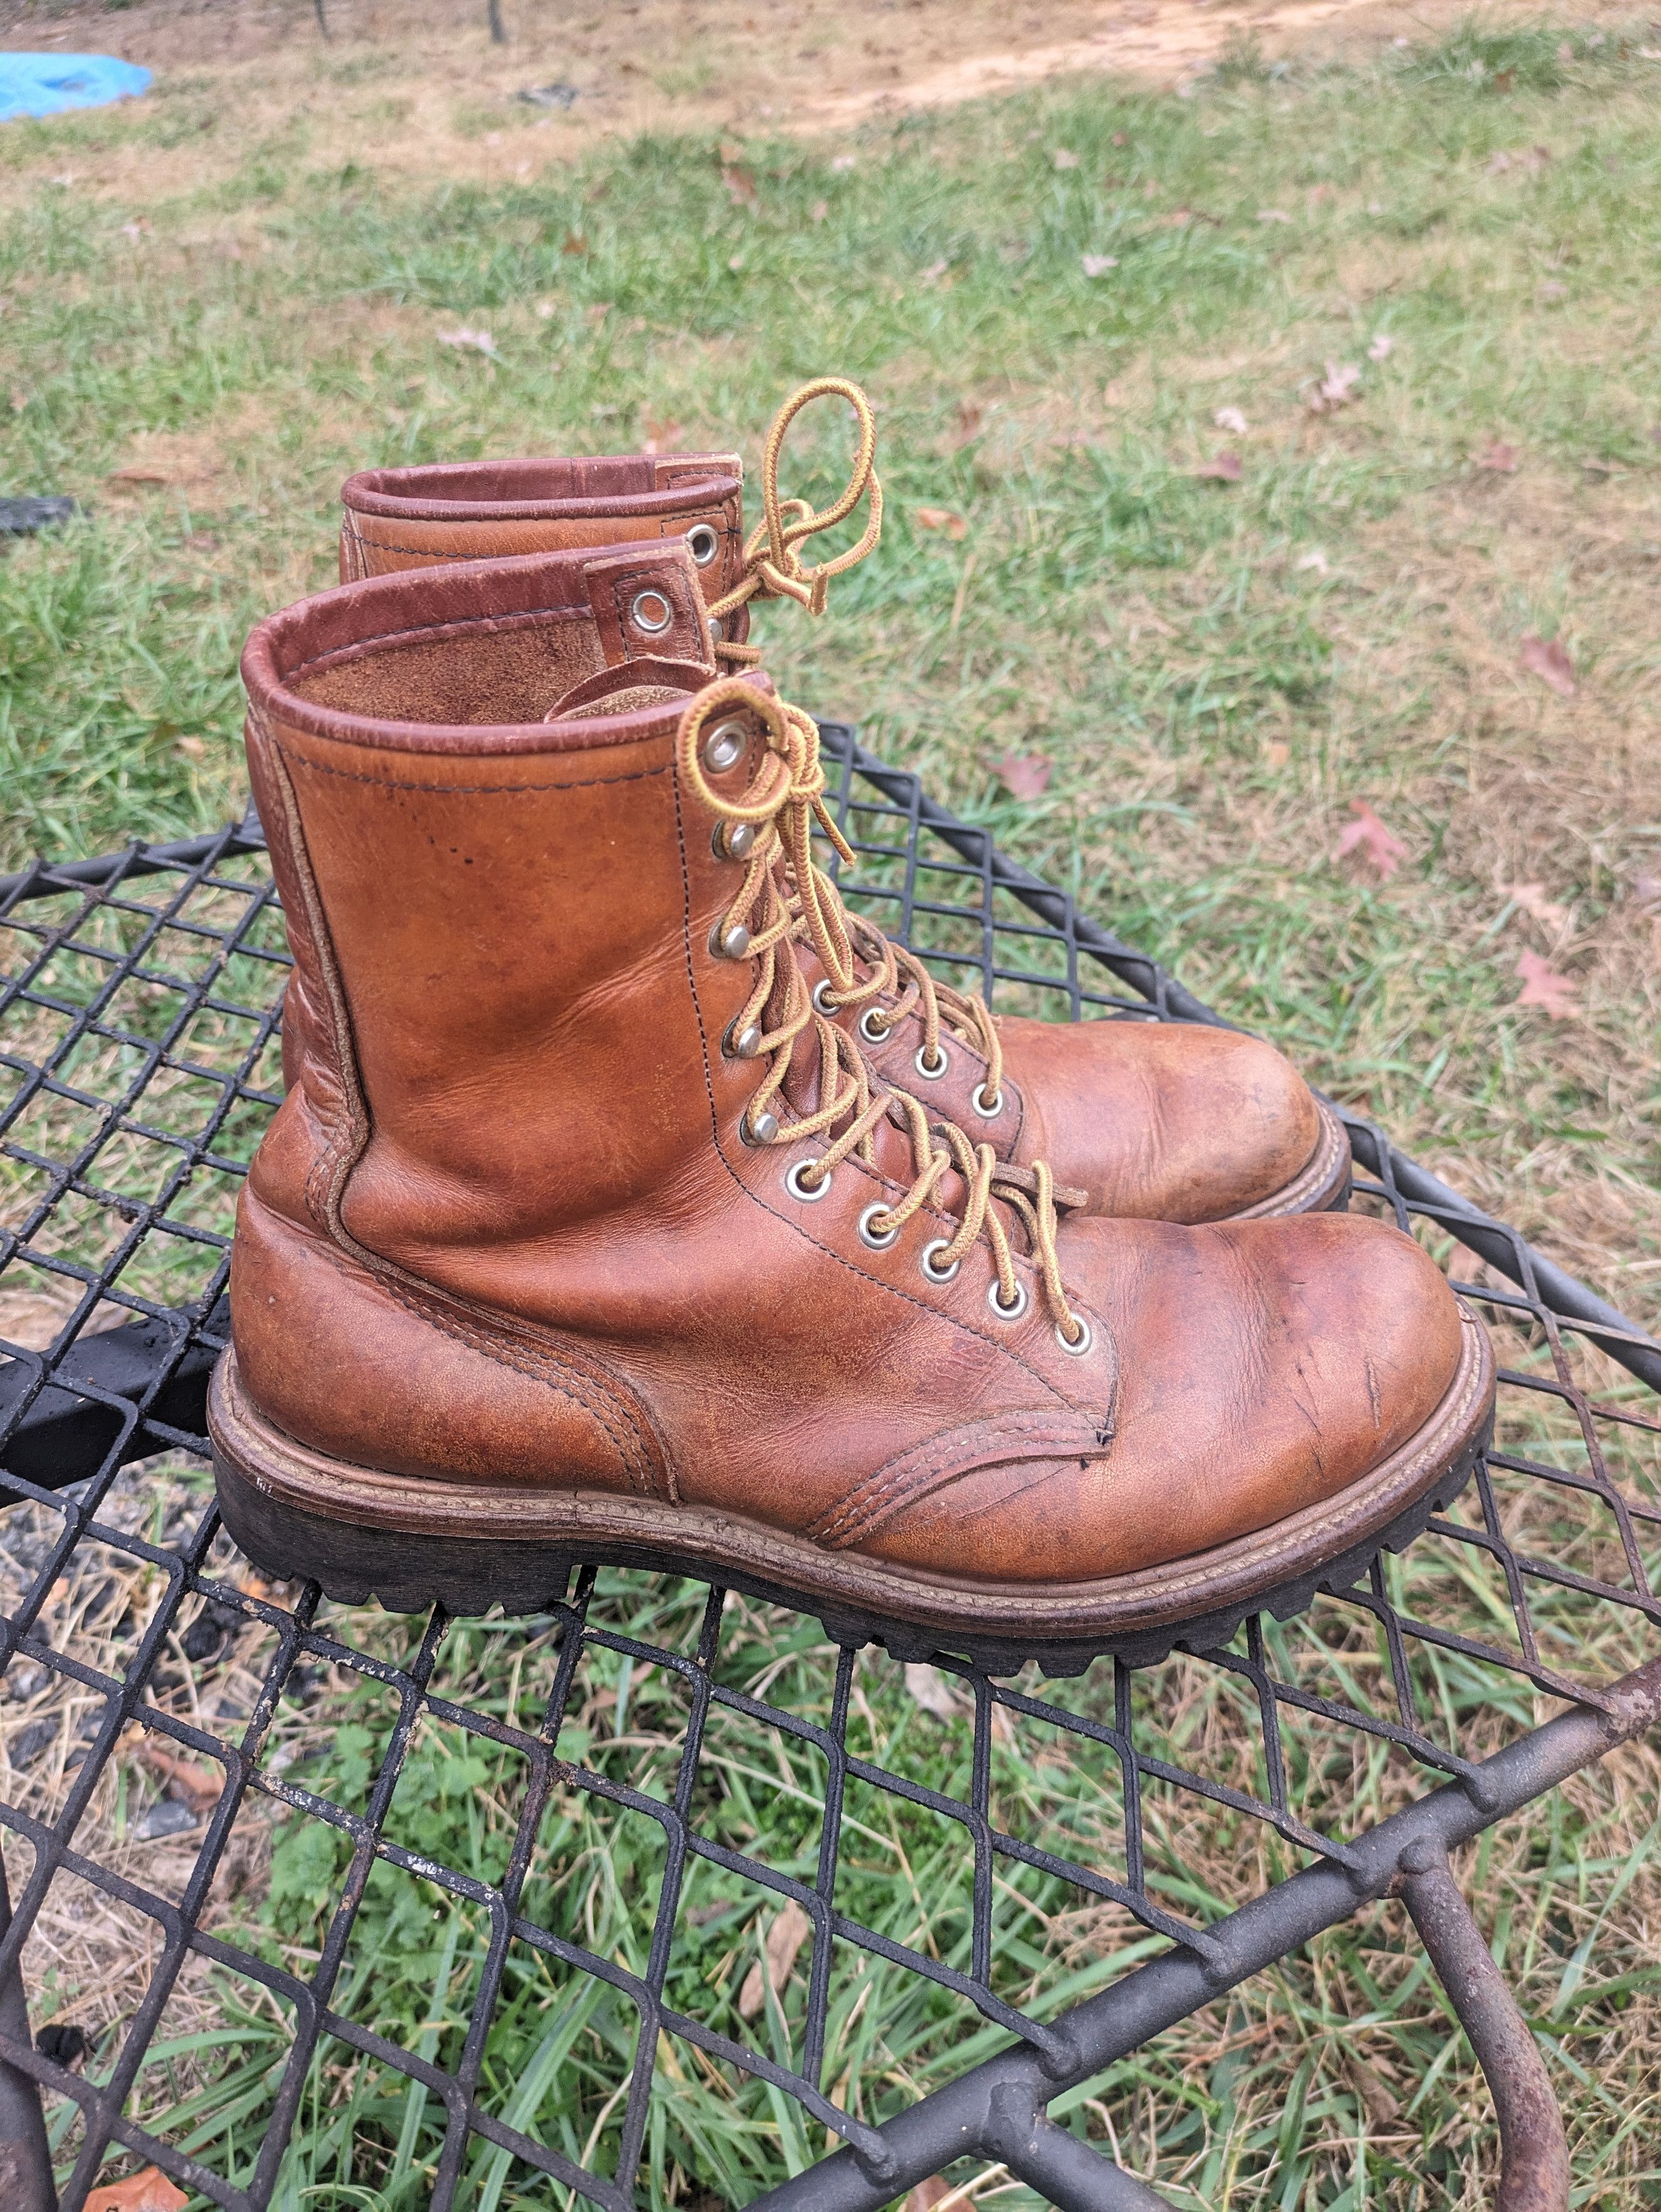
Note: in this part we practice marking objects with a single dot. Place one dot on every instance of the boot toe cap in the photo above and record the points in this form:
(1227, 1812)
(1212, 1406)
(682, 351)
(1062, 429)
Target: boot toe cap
(1265, 1367)
(1167, 1121)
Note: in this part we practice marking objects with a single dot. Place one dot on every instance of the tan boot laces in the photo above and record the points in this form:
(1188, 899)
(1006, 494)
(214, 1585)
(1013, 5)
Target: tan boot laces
(773, 569)
(783, 803)
(773, 566)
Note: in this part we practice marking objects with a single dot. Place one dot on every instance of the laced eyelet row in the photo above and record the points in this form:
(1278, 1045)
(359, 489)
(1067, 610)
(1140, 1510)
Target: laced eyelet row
(785, 805)
(805, 1180)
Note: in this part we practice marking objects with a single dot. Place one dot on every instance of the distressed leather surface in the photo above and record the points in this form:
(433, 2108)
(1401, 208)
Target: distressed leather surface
(505, 1224)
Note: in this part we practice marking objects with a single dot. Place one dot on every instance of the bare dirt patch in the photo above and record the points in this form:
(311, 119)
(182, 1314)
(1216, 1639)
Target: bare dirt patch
(421, 90)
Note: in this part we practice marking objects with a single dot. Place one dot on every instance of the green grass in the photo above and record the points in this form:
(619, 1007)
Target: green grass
(1214, 699)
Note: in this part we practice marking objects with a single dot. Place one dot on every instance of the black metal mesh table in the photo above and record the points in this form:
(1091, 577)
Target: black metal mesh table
(617, 1946)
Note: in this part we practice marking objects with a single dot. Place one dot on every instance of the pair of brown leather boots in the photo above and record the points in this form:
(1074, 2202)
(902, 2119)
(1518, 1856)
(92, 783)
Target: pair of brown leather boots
(632, 1201)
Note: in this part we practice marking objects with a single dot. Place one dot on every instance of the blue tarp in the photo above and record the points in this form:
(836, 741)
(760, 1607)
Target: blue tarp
(45, 84)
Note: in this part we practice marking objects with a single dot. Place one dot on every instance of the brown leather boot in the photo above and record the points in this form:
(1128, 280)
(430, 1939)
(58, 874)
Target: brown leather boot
(582, 1237)
(1164, 1121)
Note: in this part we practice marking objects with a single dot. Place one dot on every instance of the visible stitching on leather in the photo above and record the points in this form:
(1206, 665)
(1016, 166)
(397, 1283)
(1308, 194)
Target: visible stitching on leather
(421, 630)
(475, 790)
(580, 1388)
(341, 1147)
(347, 529)
(894, 1487)
(326, 1203)
(583, 1391)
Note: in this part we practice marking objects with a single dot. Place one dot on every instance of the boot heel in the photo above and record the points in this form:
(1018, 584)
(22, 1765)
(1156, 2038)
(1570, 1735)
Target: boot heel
(403, 1572)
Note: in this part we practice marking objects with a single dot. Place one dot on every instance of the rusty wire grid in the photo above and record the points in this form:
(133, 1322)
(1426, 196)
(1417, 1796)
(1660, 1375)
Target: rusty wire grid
(164, 1711)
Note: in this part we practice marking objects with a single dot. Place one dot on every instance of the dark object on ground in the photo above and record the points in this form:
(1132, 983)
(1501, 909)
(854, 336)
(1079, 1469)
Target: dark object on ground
(22, 518)
(64, 2044)
(550, 95)
(169, 1816)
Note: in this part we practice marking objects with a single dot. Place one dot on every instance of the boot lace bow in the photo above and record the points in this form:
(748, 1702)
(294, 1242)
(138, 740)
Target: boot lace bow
(773, 566)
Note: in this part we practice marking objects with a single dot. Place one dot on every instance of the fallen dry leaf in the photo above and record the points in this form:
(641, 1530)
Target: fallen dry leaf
(198, 1787)
(1368, 835)
(969, 418)
(1500, 457)
(149, 2191)
(1023, 775)
(928, 2194)
(939, 518)
(1224, 468)
(192, 748)
(662, 437)
(1382, 347)
(932, 1691)
(1531, 897)
(1336, 388)
(468, 341)
(575, 244)
(1230, 418)
(790, 1930)
(1543, 987)
(740, 185)
(1062, 159)
(139, 472)
(1549, 660)
(1098, 265)
(1276, 753)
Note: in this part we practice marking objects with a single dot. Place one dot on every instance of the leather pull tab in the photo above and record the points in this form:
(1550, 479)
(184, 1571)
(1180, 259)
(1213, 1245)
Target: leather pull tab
(648, 605)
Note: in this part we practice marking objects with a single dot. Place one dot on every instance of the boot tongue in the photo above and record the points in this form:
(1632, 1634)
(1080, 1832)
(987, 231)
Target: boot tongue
(627, 687)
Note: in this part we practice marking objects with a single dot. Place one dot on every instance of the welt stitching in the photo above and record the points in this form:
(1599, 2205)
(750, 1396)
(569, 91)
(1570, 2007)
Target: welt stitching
(474, 790)
(421, 629)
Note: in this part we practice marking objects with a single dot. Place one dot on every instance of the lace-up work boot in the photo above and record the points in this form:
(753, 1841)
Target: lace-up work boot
(582, 1236)
(1166, 1121)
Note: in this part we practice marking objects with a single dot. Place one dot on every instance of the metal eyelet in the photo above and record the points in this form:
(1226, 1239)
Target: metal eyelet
(745, 1045)
(733, 840)
(702, 543)
(809, 1193)
(724, 746)
(878, 1240)
(926, 1261)
(989, 1109)
(1086, 1338)
(759, 1129)
(872, 1028)
(1023, 1300)
(821, 998)
(651, 612)
(931, 1074)
(729, 943)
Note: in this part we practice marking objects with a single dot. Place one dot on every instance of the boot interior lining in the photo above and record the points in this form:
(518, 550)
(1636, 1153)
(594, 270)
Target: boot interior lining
(464, 673)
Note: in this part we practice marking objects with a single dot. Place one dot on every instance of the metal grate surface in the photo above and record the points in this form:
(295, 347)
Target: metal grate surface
(416, 1911)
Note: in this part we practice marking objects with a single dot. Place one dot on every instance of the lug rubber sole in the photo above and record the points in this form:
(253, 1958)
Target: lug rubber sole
(412, 1543)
